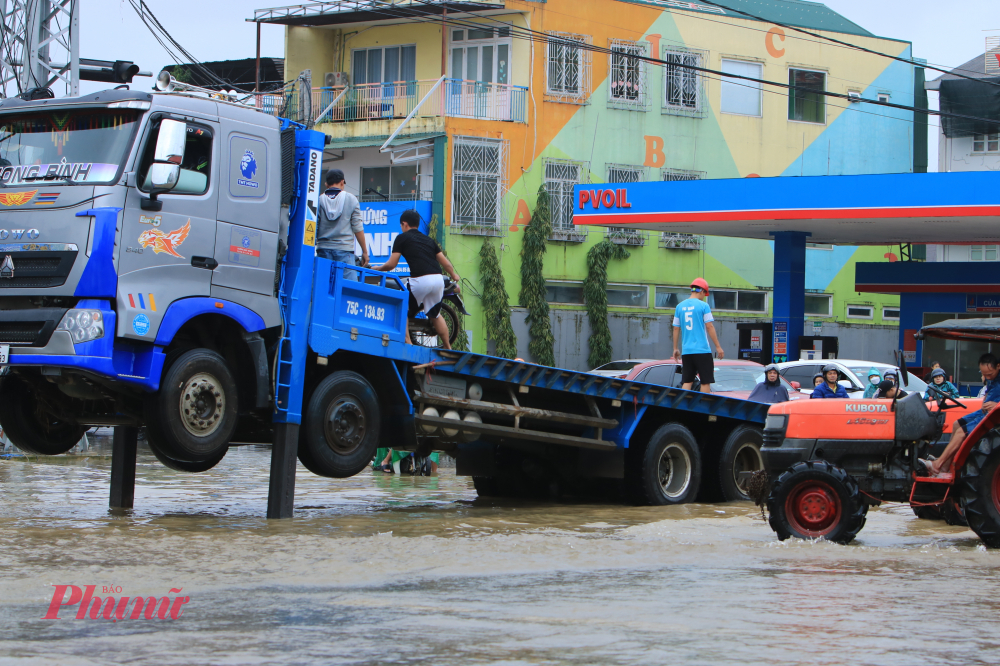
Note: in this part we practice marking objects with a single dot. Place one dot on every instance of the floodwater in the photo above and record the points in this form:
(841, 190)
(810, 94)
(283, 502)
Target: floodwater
(380, 569)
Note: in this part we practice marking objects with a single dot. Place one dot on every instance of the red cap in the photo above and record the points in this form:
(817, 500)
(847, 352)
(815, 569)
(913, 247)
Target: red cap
(700, 282)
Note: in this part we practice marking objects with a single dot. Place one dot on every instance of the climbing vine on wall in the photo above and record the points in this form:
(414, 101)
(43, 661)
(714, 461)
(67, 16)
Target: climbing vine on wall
(496, 305)
(595, 293)
(434, 231)
(541, 345)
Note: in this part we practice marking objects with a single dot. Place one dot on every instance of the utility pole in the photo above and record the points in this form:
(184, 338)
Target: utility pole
(40, 40)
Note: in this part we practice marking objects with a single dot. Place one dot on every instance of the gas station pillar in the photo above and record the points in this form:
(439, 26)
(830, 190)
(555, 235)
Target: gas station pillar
(789, 300)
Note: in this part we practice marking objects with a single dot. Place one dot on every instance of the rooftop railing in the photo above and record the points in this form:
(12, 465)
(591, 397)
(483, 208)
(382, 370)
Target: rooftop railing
(387, 101)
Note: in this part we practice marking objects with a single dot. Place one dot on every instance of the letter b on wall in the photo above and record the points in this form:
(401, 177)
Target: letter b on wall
(654, 152)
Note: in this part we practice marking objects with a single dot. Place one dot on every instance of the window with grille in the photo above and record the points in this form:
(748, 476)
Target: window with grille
(627, 74)
(624, 173)
(985, 143)
(567, 73)
(480, 167)
(560, 177)
(681, 84)
(681, 174)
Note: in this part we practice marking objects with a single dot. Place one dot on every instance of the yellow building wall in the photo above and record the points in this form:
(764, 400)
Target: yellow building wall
(309, 48)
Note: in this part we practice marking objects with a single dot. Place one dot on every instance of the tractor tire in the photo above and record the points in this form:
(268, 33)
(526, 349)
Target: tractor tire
(741, 453)
(340, 429)
(487, 486)
(181, 466)
(979, 489)
(668, 470)
(949, 512)
(816, 500)
(193, 416)
(28, 426)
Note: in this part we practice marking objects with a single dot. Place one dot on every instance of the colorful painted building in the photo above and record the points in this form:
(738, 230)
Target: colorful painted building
(474, 105)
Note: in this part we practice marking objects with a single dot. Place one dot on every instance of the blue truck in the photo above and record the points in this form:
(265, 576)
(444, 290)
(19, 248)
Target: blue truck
(158, 269)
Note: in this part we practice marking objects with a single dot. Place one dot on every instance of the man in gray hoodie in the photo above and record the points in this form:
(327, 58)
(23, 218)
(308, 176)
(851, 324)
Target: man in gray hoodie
(340, 224)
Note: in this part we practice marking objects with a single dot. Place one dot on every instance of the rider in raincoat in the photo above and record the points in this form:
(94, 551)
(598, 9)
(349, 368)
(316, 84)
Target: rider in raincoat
(939, 379)
(874, 379)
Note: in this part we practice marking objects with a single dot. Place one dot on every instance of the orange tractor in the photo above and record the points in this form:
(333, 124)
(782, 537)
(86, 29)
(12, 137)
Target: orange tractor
(832, 459)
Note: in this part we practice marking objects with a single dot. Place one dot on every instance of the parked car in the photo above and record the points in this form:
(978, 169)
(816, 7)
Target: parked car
(733, 378)
(853, 375)
(618, 368)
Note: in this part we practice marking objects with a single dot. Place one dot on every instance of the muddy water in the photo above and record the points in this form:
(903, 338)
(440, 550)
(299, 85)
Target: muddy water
(379, 569)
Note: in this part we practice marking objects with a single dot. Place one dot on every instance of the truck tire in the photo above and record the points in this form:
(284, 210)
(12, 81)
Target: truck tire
(741, 453)
(816, 500)
(340, 429)
(193, 416)
(180, 465)
(669, 470)
(979, 489)
(28, 426)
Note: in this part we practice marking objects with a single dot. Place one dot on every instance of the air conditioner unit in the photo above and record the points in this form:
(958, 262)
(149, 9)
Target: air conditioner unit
(853, 96)
(336, 80)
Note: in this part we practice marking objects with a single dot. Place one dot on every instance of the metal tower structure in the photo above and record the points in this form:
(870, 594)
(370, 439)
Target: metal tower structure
(39, 46)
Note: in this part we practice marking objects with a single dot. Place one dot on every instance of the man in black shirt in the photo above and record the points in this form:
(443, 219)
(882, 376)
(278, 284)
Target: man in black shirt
(426, 283)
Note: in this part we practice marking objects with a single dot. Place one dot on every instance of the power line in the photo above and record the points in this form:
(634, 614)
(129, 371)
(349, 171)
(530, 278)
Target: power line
(534, 35)
(843, 43)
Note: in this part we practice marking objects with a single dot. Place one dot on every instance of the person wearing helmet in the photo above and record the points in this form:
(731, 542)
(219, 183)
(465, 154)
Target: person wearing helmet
(817, 380)
(830, 388)
(874, 379)
(692, 330)
(770, 390)
(891, 375)
(939, 379)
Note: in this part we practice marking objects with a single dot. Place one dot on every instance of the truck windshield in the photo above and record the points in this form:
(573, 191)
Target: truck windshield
(75, 146)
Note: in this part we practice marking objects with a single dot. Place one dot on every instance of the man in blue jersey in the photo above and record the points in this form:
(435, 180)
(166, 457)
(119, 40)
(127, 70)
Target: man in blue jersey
(692, 329)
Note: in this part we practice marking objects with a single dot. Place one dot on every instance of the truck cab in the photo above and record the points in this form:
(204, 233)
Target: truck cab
(139, 242)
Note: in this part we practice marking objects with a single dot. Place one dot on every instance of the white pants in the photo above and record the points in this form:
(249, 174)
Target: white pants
(426, 292)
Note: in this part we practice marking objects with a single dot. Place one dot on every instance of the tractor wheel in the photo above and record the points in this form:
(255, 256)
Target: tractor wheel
(182, 466)
(340, 429)
(193, 416)
(816, 500)
(28, 426)
(487, 486)
(979, 489)
(740, 454)
(668, 470)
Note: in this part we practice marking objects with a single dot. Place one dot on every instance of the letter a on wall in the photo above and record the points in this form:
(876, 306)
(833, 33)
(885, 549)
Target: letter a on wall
(522, 216)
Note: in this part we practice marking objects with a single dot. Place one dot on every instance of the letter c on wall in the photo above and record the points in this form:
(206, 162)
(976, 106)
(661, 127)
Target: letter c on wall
(773, 50)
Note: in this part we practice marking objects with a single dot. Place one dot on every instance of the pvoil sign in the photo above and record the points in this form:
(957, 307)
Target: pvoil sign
(982, 303)
(381, 219)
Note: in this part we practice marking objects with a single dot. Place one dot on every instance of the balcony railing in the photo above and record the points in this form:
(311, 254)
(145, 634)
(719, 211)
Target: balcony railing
(620, 236)
(387, 101)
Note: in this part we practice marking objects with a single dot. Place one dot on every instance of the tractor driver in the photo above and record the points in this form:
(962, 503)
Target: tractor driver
(989, 370)
(426, 284)
(830, 388)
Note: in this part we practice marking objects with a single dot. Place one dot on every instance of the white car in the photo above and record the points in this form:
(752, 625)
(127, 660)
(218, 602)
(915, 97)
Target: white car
(853, 375)
(619, 369)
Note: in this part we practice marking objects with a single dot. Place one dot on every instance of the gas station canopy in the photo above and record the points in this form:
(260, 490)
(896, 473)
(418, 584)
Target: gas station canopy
(962, 207)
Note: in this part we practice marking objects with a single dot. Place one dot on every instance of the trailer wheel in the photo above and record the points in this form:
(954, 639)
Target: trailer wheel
(193, 416)
(669, 471)
(340, 430)
(28, 426)
(180, 465)
(740, 454)
(979, 489)
(816, 500)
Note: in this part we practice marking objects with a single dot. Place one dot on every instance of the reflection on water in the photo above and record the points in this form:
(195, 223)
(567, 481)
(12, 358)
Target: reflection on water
(383, 568)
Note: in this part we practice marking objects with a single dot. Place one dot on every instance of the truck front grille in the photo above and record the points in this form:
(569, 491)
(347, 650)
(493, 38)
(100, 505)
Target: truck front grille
(29, 327)
(36, 269)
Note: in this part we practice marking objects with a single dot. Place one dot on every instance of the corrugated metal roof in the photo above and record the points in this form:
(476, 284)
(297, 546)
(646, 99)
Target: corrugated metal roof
(812, 15)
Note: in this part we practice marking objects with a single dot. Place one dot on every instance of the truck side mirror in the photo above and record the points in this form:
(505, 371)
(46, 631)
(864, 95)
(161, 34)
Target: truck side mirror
(795, 385)
(168, 154)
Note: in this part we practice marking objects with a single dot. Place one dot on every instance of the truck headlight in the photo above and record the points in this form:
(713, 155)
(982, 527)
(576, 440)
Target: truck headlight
(83, 325)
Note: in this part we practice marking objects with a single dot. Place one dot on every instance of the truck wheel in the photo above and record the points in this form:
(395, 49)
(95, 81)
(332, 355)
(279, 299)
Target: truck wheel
(29, 427)
(816, 500)
(979, 489)
(740, 454)
(193, 416)
(180, 465)
(340, 431)
(669, 471)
